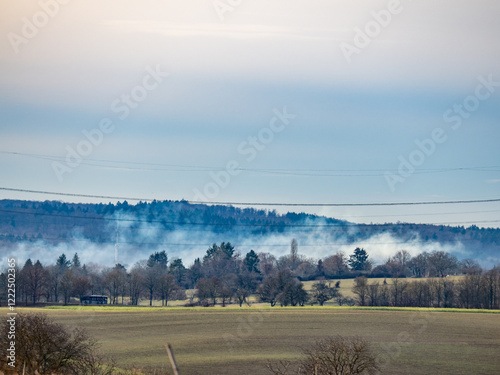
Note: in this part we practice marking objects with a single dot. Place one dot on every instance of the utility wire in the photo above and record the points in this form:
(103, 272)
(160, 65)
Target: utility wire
(424, 214)
(143, 166)
(278, 225)
(262, 203)
(350, 204)
(237, 245)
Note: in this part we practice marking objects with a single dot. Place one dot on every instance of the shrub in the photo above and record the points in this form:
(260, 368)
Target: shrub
(46, 347)
(335, 355)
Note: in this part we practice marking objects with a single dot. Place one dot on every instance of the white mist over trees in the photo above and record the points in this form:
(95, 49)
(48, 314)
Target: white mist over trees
(44, 230)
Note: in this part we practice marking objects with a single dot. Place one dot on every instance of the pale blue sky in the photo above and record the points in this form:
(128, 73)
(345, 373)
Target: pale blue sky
(227, 76)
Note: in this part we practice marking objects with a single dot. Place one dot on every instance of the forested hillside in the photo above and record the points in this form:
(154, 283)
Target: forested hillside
(181, 226)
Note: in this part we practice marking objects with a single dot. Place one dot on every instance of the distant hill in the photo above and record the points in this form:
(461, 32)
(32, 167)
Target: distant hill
(185, 230)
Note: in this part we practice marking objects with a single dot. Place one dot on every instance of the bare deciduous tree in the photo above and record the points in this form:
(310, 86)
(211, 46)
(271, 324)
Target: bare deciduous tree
(35, 278)
(135, 284)
(322, 292)
(441, 263)
(168, 288)
(335, 355)
(44, 347)
(360, 288)
(335, 265)
(66, 285)
(402, 259)
(114, 282)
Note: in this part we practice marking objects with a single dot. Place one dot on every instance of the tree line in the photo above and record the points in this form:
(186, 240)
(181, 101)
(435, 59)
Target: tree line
(225, 276)
(473, 291)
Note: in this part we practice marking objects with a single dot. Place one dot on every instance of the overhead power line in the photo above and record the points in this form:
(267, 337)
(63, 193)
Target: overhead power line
(310, 172)
(180, 223)
(351, 204)
(254, 245)
(76, 195)
(421, 214)
(373, 204)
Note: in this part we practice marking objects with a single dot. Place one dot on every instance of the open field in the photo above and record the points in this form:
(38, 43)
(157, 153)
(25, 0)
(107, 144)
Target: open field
(232, 341)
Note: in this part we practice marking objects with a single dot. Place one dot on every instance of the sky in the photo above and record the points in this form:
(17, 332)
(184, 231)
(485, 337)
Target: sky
(255, 101)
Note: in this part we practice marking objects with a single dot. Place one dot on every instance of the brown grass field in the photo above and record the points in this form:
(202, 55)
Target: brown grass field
(232, 341)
